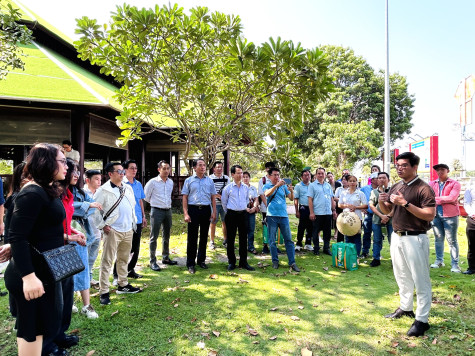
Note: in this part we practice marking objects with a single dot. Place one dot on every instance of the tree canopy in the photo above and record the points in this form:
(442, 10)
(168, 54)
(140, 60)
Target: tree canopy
(11, 34)
(349, 127)
(220, 90)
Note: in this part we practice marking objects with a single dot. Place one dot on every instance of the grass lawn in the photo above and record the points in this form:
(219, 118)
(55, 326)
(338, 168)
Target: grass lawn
(270, 312)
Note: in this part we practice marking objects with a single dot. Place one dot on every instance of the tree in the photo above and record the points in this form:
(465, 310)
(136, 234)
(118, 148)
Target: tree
(220, 90)
(349, 127)
(11, 34)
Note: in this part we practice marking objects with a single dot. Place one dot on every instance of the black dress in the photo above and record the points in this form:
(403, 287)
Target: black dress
(37, 219)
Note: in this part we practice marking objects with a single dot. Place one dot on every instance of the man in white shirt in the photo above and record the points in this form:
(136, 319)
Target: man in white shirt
(69, 152)
(158, 192)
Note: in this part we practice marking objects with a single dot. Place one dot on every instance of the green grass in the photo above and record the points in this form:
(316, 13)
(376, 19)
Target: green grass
(339, 313)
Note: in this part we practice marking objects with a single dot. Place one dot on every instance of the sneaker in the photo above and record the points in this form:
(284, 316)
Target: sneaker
(275, 265)
(105, 299)
(94, 282)
(75, 309)
(128, 289)
(298, 248)
(89, 311)
(115, 282)
(456, 269)
(308, 247)
(437, 264)
(212, 246)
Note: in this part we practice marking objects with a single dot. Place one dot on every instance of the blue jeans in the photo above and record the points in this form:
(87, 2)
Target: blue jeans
(355, 240)
(93, 251)
(446, 228)
(251, 226)
(273, 223)
(378, 239)
(368, 229)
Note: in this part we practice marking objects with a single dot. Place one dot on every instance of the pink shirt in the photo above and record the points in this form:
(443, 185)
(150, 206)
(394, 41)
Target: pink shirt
(448, 198)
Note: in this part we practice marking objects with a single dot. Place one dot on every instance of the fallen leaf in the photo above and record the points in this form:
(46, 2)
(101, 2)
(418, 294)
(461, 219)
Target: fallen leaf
(315, 305)
(457, 297)
(90, 353)
(325, 268)
(452, 287)
(159, 304)
(201, 345)
(411, 344)
(193, 320)
(296, 289)
(175, 301)
(216, 333)
(255, 342)
(295, 318)
(252, 331)
(213, 276)
(176, 305)
(300, 307)
(306, 352)
(169, 318)
(452, 337)
(212, 353)
(395, 344)
(286, 330)
(243, 280)
(290, 309)
(343, 271)
(393, 352)
(273, 309)
(115, 313)
(273, 338)
(205, 335)
(434, 342)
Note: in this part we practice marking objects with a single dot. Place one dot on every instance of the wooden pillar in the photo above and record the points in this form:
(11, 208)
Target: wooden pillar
(226, 162)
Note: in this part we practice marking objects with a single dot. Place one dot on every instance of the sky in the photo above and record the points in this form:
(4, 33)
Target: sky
(431, 43)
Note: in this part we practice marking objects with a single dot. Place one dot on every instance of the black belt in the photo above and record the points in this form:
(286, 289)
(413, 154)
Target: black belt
(200, 206)
(406, 233)
(154, 207)
(237, 211)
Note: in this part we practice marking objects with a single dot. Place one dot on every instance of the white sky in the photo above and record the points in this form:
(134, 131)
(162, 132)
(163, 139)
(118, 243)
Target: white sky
(431, 43)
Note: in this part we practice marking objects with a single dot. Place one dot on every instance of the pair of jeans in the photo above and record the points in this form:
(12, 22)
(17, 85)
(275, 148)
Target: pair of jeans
(355, 240)
(378, 239)
(251, 226)
(322, 223)
(160, 219)
(273, 224)
(305, 225)
(199, 216)
(236, 221)
(446, 228)
(92, 252)
(368, 230)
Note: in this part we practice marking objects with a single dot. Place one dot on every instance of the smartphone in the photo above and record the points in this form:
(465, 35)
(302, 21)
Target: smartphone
(288, 181)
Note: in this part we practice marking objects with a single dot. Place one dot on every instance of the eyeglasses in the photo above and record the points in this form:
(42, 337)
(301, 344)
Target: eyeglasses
(120, 171)
(275, 174)
(133, 168)
(402, 166)
(62, 161)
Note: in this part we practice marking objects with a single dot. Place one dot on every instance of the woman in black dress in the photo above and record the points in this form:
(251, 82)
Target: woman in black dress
(37, 220)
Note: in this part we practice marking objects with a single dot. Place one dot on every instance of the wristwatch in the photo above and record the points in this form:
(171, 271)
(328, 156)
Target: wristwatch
(406, 205)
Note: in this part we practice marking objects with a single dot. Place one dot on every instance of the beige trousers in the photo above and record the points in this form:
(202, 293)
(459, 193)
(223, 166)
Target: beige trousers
(115, 244)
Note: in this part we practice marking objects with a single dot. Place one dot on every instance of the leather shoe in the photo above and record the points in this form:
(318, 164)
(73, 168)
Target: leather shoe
(316, 252)
(294, 267)
(191, 269)
(375, 263)
(418, 328)
(327, 252)
(57, 352)
(231, 266)
(135, 275)
(203, 265)
(469, 271)
(155, 267)
(399, 313)
(248, 267)
(275, 265)
(169, 262)
(67, 342)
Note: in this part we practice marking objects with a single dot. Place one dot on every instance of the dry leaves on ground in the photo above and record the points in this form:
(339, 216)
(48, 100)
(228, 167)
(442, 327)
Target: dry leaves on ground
(295, 318)
(306, 352)
(115, 313)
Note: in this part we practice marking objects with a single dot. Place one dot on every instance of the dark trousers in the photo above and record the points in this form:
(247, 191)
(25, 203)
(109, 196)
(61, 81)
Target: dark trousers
(134, 250)
(199, 216)
(322, 223)
(305, 224)
(368, 230)
(471, 243)
(236, 221)
(67, 292)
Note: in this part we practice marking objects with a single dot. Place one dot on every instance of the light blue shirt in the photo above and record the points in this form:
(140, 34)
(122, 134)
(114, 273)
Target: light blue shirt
(367, 189)
(139, 195)
(235, 197)
(322, 195)
(278, 205)
(199, 191)
(300, 193)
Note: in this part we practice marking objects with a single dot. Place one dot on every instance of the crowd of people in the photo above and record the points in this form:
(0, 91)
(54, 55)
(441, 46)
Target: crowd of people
(46, 208)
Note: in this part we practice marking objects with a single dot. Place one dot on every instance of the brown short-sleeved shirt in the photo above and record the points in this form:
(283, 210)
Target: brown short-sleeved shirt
(418, 193)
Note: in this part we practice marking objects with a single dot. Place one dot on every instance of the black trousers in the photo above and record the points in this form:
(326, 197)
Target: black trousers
(471, 243)
(236, 221)
(305, 224)
(199, 216)
(322, 223)
(134, 249)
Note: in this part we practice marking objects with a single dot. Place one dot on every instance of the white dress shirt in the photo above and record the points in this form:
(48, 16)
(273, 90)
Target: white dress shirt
(159, 192)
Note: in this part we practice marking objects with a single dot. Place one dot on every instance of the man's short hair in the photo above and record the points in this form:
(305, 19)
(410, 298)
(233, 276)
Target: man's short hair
(162, 162)
(92, 172)
(273, 169)
(269, 165)
(411, 157)
(329, 173)
(125, 164)
(109, 168)
(246, 173)
(67, 142)
(233, 168)
(216, 163)
(195, 161)
(320, 168)
(303, 172)
(387, 175)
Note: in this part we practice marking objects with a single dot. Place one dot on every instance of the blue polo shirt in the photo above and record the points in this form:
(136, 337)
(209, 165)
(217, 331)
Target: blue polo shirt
(322, 195)
(199, 191)
(367, 189)
(138, 194)
(300, 193)
(278, 205)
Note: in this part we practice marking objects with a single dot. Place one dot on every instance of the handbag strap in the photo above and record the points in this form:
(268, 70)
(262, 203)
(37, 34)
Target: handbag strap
(116, 204)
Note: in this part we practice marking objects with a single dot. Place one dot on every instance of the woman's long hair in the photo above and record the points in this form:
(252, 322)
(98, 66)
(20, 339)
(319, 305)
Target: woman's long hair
(41, 166)
(66, 183)
(17, 179)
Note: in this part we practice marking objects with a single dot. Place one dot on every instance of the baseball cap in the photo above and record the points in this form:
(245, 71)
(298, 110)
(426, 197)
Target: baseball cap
(441, 165)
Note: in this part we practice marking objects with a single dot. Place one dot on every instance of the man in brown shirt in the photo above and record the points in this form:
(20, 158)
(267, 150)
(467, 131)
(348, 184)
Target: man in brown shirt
(412, 203)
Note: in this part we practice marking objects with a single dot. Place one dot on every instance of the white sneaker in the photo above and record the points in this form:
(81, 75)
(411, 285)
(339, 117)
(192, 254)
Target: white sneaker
(89, 311)
(456, 269)
(437, 264)
(75, 309)
(297, 248)
(320, 239)
(212, 246)
(308, 247)
(115, 282)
